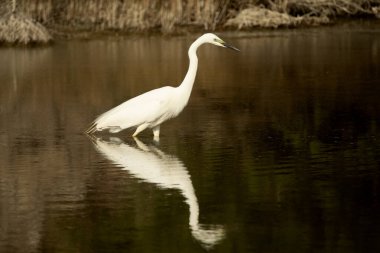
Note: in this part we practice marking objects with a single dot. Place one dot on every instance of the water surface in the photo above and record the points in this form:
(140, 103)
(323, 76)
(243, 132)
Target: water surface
(277, 150)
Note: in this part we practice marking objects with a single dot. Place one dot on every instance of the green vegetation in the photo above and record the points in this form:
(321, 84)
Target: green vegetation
(72, 16)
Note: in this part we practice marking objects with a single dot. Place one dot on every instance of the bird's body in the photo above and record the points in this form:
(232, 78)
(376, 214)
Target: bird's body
(154, 107)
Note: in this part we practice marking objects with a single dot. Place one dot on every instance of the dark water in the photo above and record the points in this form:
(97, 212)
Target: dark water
(277, 151)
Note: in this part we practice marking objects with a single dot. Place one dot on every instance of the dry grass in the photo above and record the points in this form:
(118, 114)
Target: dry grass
(332, 8)
(291, 13)
(170, 15)
(16, 28)
(127, 15)
(261, 17)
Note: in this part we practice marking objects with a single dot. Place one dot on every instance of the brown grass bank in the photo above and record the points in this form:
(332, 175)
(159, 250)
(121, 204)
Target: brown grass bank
(130, 15)
(292, 13)
(17, 28)
(170, 16)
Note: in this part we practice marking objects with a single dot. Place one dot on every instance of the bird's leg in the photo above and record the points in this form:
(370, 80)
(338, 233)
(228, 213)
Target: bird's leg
(141, 145)
(156, 131)
(139, 129)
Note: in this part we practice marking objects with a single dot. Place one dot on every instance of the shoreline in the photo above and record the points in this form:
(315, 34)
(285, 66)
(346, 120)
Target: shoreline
(40, 22)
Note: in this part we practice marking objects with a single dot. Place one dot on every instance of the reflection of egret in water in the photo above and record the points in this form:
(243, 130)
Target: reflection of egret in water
(167, 171)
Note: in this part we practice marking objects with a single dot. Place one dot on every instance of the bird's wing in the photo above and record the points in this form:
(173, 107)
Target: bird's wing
(145, 108)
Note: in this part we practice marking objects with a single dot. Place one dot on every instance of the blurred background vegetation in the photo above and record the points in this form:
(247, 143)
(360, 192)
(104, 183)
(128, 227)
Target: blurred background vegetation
(24, 21)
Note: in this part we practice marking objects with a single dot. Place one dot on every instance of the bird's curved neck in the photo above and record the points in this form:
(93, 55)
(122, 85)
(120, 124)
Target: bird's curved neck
(187, 84)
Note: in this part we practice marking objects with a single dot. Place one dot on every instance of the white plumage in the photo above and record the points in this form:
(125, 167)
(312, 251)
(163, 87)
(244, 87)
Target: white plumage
(154, 107)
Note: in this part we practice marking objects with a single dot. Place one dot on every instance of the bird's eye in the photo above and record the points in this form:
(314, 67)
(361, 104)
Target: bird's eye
(218, 40)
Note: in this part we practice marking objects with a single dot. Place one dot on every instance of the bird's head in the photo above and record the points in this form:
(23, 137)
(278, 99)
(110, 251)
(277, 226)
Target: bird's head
(215, 40)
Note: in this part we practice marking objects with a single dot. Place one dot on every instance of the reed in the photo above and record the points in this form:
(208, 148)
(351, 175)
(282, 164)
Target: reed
(169, 16)
(135, 15)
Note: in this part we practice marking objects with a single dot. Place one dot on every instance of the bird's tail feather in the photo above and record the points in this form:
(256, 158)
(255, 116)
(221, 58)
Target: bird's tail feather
(92, 128)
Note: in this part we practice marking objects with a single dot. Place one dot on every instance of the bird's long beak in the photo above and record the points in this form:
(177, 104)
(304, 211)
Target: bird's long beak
(230, 47)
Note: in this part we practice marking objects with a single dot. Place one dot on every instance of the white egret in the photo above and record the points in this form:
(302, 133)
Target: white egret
(154, 107)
